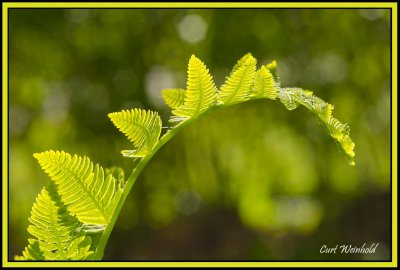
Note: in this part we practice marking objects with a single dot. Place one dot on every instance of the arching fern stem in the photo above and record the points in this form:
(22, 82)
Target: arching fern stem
(140, 166)
(131, 181)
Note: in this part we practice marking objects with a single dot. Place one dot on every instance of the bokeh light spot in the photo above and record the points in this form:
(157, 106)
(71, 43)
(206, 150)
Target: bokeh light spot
(192, 28)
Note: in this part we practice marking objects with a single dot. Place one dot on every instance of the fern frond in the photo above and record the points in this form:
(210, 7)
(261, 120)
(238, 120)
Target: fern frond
(292, 97)
(312, 102)
(288, 98)
(341, 133)
(84, 188)
(240, 62)
(31, 253)
(237, 86)
(57, 232)
(337, 129)
(173, 97)
(200, 92)
(142, 128)
(264, 84)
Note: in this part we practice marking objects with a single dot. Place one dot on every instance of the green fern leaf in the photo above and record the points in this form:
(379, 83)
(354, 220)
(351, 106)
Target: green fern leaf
(85, 190)
(241, 62)
(264, 84)
(314, 104)
(337, 129)
(200, 92)
(57, 232)
(31, 253)
(341, 133)
(174, 97)
(292, 97)
(117, 174)
(237, 86)
(288, 98)
(142, 128)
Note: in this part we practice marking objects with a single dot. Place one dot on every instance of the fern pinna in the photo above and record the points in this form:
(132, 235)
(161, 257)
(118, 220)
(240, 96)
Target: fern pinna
(74, 215)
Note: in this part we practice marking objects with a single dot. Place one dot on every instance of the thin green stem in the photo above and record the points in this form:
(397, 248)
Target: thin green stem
(138, 169)
(131, 181)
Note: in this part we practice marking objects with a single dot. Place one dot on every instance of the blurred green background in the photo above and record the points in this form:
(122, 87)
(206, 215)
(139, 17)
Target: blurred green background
(251, 182)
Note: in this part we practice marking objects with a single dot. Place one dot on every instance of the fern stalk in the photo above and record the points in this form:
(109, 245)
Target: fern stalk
(132, 180)
(140, 166)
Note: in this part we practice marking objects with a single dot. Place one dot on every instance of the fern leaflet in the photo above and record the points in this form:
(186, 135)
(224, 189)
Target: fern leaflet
(31, 253)
(142, 128)
(200, 92)
(241, 62)
(264, 84)
(237, 86)
(173, 97)
(341, 133)
(58, 234)
(84, 189)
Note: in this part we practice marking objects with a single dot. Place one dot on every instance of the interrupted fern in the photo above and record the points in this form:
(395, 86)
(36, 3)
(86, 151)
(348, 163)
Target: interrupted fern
(72, 218)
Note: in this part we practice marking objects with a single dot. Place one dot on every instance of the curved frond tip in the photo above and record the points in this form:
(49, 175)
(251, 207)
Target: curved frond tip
(292, 97)
(341, 133)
